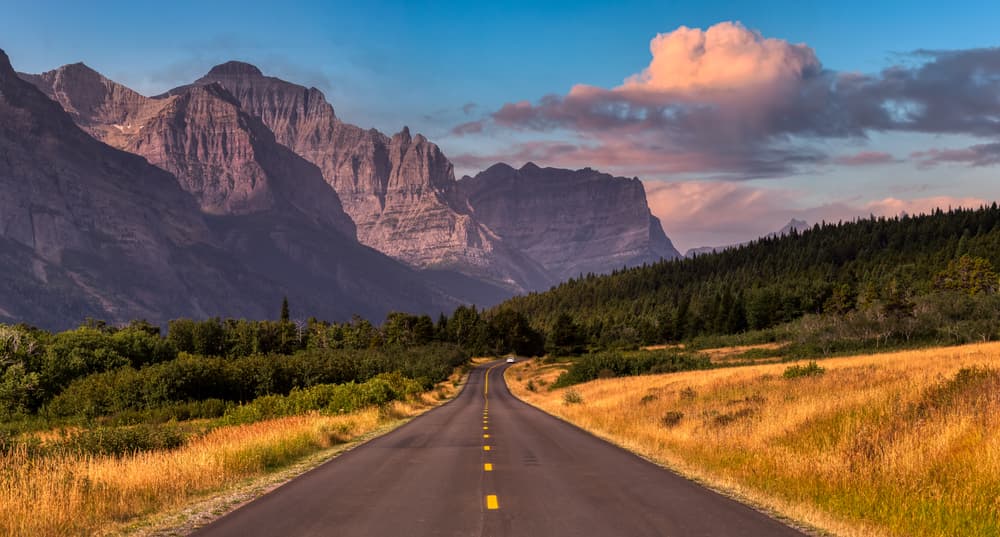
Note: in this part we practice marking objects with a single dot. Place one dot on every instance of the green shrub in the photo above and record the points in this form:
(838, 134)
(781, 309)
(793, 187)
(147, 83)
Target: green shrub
(812, 369)
(326, 399)
(572, 397)
(615, 363)
(122, 440)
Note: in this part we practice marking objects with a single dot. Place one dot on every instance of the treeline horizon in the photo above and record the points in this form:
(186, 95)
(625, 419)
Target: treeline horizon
(199, 368)
(882, 267)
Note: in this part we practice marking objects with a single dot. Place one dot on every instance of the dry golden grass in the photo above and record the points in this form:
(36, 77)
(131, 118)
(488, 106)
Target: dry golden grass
(885, 445)
(101, 495)
(729, 354)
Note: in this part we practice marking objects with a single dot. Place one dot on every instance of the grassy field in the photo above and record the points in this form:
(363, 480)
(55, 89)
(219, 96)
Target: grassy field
(900, 444)
(108, 495)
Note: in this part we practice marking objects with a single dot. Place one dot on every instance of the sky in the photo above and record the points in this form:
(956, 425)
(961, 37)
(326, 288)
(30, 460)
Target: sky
(737, 116)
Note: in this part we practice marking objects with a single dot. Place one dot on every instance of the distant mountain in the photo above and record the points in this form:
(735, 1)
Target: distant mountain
(268, 223)
(282, 197)
(793, 224)
(571, 222)
(87, 230)
(403, 197)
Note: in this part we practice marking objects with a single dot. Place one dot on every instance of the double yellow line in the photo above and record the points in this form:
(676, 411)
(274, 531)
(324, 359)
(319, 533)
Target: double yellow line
(491, 499)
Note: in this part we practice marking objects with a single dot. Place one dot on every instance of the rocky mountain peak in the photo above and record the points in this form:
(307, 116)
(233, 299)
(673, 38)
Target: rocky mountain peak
(235, 69)
(403, 136)
(500, 168)
(571, 222)
(213, 91)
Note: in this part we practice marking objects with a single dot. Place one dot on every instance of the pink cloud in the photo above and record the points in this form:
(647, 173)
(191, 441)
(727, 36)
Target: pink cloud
(895, 206)
(737, 103)
(864, 158)
(977, 155)
(725, 57)
(471, 127)
(718, 213)
(631, 157)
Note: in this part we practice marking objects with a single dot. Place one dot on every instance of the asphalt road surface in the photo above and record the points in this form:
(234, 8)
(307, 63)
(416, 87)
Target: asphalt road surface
(486, 464)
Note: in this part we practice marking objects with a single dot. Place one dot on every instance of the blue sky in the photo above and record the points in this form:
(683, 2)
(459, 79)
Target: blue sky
(388, 64)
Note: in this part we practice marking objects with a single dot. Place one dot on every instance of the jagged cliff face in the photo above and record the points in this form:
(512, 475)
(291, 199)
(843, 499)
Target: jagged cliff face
(226, 158)
(527, 229)
(260, 153)
(107, 110)
(394, 188)
(571, 222)
(87, 230)
(257, 222)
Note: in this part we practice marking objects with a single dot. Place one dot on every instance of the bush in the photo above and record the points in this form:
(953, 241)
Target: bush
(572, 397)
(326, 399)
(671, 419)
(123, 440)
(615, 363)
(812, 369)
(190, 378)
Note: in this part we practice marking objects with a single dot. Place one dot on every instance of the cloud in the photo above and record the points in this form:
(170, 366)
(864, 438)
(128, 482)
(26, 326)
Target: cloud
(864, 158)
(718, 213)
(726, 57)
(977, 155)
(469, 108)
(470, 127)
(629, 157)
(733, 97)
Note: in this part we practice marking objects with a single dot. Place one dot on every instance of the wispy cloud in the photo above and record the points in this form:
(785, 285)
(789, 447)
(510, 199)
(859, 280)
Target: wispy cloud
(717, 213)
(976, 155)
(864, 158)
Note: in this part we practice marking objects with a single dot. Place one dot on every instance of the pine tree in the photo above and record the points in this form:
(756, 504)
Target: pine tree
(285, 317)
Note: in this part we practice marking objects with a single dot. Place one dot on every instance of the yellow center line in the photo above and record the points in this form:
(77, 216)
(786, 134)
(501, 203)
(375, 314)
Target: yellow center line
(485, 428)
(487, 467)
(486, 448)
(491, 502)
(486, 436)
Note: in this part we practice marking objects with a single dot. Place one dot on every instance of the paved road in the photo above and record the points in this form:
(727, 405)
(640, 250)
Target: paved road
(486, 464)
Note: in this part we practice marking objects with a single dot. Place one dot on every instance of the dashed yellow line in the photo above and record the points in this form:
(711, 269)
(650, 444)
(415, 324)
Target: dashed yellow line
(487, 467)
(486, 436)
(486, 448)
(491, 502)
(485, 428)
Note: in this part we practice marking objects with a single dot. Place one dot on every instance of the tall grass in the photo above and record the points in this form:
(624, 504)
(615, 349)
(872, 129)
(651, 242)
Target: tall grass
(63, 492)
(902, 444)
(69, 494)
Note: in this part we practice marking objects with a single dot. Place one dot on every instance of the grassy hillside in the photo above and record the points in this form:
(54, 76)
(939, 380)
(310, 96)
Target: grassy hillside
(902, 444)
(882, 265)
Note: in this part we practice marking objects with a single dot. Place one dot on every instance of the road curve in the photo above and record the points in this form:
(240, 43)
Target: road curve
(486, 464)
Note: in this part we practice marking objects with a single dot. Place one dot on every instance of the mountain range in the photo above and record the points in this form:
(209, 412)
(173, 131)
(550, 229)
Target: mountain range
(222, 196)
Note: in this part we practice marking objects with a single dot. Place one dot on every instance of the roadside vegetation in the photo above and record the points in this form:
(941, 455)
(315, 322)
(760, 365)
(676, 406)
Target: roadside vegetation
(892, 444)
(102, 427)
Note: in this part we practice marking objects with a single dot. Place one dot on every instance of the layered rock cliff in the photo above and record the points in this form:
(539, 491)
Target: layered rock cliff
(571, 222)
(87, 230)
(403, 197)
(394, 188)
(257, 222)
(260, 156)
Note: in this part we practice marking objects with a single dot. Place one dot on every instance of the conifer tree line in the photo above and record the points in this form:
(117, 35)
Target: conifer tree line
(879, 265)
